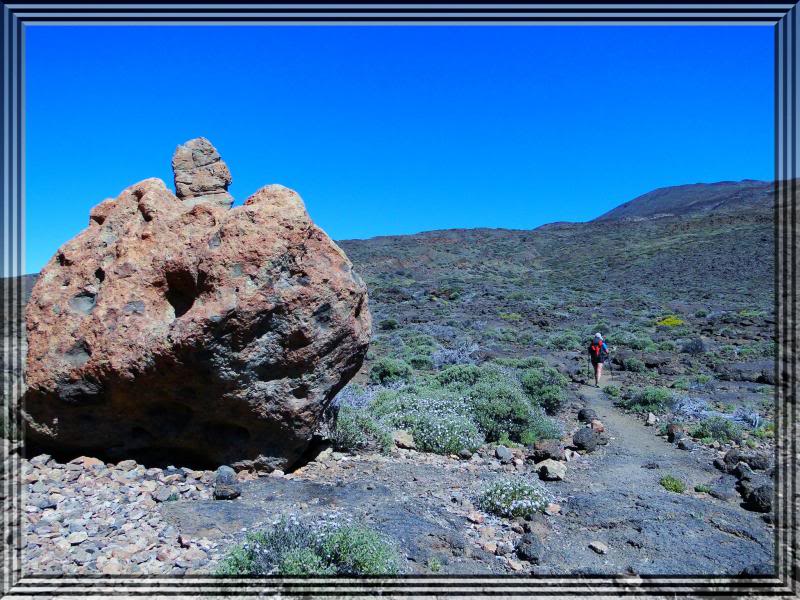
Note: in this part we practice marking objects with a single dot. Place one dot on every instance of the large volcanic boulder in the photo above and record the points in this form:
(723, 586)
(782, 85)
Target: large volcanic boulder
(184, 330)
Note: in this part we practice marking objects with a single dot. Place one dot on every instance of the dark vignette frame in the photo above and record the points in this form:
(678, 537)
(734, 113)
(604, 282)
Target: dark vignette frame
(781, 15)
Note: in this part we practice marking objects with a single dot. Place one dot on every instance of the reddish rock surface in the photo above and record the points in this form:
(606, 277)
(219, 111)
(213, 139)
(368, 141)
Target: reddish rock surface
(181, 328)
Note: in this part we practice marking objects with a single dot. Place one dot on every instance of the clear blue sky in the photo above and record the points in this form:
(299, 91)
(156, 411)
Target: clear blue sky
(389, 130)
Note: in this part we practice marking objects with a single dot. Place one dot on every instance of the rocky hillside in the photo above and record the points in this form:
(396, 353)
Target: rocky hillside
(704, 198)
(509, 289)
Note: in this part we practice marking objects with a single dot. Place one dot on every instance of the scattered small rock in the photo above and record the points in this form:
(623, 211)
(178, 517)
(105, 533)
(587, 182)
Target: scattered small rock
(529, 547)
(503, 454)
(598, 547)
(548, 449)
(77, 537)
(675, 432)
(585, 439)
(164, 493)
(742, 471)
(597, 426)
(759, 461)
(404, 439)
(226, 486)
(515, 566)
(650, 420)
(551, 470)
(759, 569)
(475, 517)
(552, 508)
(760, 498)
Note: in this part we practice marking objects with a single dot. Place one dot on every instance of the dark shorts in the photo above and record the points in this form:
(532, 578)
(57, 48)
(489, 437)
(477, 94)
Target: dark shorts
(596, 361)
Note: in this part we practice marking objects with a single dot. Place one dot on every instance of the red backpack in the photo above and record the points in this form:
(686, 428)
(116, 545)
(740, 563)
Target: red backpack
(597, 350)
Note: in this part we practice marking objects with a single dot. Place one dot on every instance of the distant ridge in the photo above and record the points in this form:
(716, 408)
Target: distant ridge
(694, 198)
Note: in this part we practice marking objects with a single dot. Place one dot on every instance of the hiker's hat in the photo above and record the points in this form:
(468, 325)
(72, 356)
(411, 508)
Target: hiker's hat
(598, 337)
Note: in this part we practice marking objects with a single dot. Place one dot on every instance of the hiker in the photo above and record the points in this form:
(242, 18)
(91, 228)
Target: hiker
(598, 353)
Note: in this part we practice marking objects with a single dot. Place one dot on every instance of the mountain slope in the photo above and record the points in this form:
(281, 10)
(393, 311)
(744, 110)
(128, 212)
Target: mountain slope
(695, 198)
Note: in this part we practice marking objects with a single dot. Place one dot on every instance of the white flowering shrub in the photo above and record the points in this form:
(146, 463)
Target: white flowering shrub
(326, 546)
(355, 429)
(458, 408)
(438, 420)
(447, 434)
(513, 497)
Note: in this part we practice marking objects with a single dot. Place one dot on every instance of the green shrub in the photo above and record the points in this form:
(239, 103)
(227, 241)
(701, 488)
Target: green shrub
(681, 383)
(534, 379)
(355, 428)
(460, 377)
(359, 550)
(388, 370)
(540, 428)
(304, 561)
(564, 341)
(650, 399)
(499, 406)
(420, 361)
(238, 561)
(717, 429)
(587, 332)
(612, 391)
(388, 324)
(513, 497)
(419, 342)
(520, 363)
(634, 365)
(434, 564)
(752, 313)
(512, 316)
(545, 386)
(672, 484)
(765, 431)
(508, 442)
(510, 335)
(291, 547)
(551, 398)
(702, 488)
(634, 342)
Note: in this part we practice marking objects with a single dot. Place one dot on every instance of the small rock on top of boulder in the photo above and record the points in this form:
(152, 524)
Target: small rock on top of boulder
(200, 174)
(176, 328)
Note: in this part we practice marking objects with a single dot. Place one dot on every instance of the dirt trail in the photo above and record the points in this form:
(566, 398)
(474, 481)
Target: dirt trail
(613, 495)
(633, 445)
